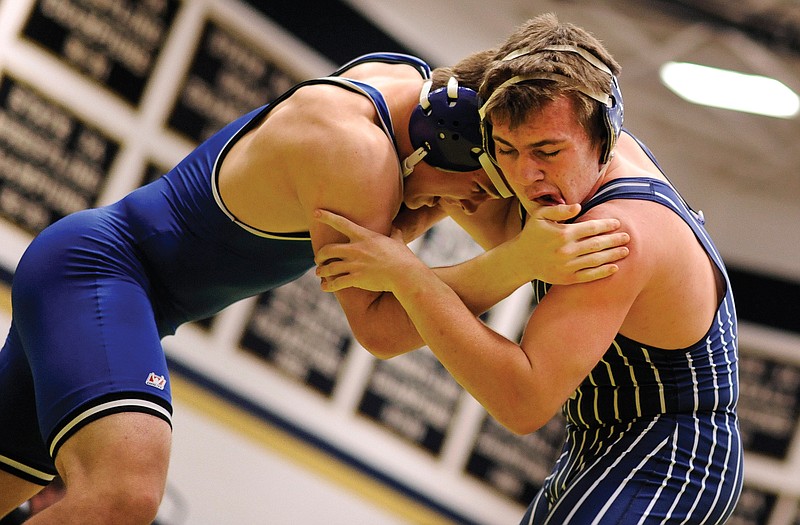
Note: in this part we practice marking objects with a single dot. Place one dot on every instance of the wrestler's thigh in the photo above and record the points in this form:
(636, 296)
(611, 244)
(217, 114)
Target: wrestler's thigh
(83, 313)
(126, 452)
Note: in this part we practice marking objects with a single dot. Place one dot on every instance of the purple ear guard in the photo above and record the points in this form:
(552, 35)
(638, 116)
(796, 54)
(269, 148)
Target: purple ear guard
(445, 131)
(447, 126)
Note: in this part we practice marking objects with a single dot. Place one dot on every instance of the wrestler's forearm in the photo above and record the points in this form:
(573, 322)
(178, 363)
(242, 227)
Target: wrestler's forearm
(483, 281)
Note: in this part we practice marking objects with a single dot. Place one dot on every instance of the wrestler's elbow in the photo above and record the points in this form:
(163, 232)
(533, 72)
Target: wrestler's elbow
(384, 345)
(384, 330)
(521, 427)
(520, 420)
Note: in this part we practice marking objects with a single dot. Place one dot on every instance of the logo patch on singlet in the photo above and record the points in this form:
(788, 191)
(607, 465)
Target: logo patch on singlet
(156, 380)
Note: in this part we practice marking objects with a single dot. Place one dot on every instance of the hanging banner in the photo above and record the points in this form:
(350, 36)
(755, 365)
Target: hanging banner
(227, 78)
(51, 162)
(113, 43)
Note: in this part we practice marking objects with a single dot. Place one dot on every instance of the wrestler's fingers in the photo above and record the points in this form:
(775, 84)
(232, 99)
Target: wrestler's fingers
(330, 268)
(602, 243)
(558, 212)
(592, 227)
(600, 258)
(324, 270)
(339, 223)
(592, 274)
(334, 284)
(330, 252)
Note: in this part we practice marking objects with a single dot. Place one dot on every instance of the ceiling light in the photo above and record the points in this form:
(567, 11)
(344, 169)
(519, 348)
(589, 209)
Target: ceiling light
(725, 89)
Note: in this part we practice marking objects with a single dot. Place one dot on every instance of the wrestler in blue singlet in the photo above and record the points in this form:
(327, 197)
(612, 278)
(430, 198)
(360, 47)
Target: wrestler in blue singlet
(94, 293)
(652, 434)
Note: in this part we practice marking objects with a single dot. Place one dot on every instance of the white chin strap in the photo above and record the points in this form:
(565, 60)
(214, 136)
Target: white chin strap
(412, 160)
(416, 157)
(493, 171)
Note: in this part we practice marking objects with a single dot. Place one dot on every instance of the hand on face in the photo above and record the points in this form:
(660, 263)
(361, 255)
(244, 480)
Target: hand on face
(569, 253)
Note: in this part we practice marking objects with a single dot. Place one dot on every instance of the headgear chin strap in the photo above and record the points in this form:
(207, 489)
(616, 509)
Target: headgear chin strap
(611, 103)
(495, 175)
(445, 131)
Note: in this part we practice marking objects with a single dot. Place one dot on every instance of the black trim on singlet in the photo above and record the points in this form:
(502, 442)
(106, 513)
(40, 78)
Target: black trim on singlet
(112, 403)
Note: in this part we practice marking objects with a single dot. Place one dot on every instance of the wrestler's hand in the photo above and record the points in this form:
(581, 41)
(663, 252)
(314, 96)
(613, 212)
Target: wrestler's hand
(568, 253)
(370, 260)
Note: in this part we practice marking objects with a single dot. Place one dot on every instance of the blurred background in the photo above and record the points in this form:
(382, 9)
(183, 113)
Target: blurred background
(280, 416)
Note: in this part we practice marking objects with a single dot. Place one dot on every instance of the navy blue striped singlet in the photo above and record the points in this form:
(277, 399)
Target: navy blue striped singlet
(652, 435)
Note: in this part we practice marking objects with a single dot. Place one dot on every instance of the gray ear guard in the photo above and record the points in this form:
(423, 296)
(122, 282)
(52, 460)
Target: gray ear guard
(445, 131)
(611, 104)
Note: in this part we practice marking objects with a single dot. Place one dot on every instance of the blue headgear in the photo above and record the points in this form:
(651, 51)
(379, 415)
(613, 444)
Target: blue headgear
(611, 103)
(445, 131)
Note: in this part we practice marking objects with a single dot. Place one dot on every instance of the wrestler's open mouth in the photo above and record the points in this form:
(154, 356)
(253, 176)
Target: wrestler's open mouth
(548, 200)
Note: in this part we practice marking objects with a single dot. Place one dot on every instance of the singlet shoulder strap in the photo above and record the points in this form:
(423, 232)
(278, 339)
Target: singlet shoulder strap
(655, 190)
(335, 78)
(372, 93)
(387, 58)
(363, 88)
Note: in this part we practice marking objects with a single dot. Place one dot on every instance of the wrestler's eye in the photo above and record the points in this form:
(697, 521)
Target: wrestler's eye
(505, 151)
(548, 154)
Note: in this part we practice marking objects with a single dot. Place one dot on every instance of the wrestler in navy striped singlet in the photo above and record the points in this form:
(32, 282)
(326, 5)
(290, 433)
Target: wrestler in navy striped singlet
(94, 293)
(652, 435)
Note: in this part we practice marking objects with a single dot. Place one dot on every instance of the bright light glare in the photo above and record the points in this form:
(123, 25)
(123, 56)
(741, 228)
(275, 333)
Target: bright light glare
(720, 88)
